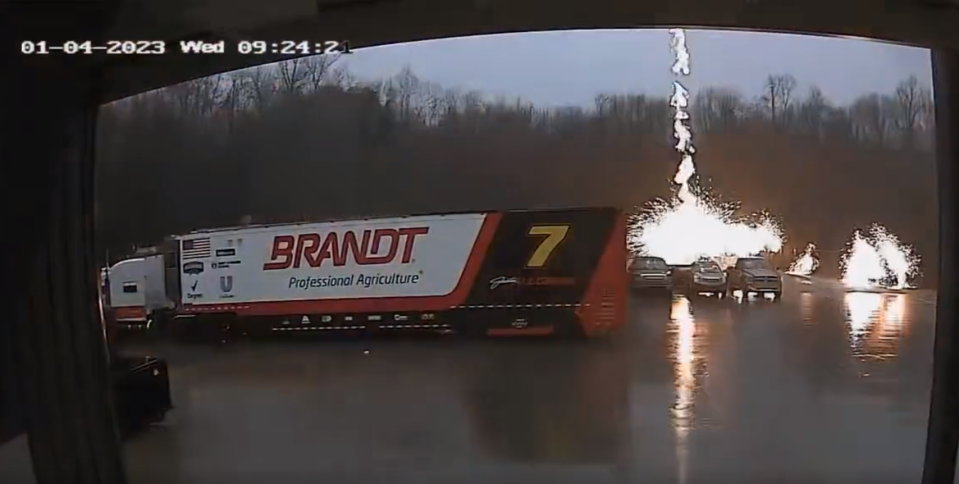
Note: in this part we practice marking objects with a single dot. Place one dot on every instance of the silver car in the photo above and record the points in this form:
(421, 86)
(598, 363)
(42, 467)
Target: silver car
(707, 277)
(651, 273)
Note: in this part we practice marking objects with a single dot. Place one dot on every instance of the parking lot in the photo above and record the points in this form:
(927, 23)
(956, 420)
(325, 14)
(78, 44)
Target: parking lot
(824, 386)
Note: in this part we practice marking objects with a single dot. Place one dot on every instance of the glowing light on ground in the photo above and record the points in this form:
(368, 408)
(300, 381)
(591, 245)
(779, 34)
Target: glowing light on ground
(805, 264)
(691, 225)
(878, 260)
(862, 309)
(876, 322)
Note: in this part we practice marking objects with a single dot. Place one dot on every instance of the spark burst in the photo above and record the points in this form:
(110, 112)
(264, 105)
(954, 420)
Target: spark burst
(691, 225)
(878, 260)
(805, 264)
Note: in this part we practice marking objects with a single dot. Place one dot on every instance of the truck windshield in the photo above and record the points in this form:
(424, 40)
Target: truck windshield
(650, 264)
(706, 266)
(751, 264)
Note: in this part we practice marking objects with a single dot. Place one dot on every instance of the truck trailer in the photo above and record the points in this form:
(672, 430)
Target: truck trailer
(490, 273)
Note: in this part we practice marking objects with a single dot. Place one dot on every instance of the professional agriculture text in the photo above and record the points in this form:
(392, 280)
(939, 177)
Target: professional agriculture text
(365, 280)
(292, 251)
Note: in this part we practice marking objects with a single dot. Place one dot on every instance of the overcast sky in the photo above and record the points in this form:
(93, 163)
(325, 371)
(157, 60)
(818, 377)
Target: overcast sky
(572, 67)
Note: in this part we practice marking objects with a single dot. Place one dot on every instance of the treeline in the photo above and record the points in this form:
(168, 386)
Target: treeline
(305, 140)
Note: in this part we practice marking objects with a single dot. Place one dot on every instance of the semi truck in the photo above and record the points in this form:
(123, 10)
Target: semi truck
(504, 273)
(134, 290)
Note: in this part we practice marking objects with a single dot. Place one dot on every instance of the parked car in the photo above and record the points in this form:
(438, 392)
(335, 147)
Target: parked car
(707, 277)
(651, 273)
(755, 274)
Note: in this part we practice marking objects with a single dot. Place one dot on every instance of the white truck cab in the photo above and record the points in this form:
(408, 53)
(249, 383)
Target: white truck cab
(136, 289)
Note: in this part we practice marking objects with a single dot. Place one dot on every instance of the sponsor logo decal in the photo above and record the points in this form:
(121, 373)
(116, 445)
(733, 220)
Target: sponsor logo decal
(193, 294)
(226, 286)
(226, 252)
(224, 264)
(193, 268)
(369, 247)
(501, 281)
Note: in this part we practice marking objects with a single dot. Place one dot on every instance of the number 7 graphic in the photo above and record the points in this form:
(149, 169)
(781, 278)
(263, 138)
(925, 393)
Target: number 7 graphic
(553, 235)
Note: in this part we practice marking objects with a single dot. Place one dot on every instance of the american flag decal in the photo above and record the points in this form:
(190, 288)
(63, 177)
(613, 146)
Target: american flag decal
(196, 249)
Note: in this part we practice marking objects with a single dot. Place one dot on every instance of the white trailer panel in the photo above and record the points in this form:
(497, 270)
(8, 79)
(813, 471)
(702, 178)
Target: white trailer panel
(379, 258)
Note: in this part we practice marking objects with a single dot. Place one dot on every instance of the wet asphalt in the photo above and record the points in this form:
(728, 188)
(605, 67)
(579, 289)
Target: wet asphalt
(824, 386)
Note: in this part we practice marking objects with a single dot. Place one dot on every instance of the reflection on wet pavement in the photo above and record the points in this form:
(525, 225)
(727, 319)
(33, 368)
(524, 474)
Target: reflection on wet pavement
(876, 323)
(823, 386)
(683, 329)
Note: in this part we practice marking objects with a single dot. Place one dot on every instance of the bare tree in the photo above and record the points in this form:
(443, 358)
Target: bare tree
(910, 101)
(812, 113)
(717, 109)
(406, 87)
(872, 117)
(293, 75)
(838, 124)
(260, 85)
(232, 99)
(319, 70)
(198, 97)
(777, 96)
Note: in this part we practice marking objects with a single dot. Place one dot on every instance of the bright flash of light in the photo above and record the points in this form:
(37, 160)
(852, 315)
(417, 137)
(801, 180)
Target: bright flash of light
(862, 266)
(900, 260)
(683, 231)
(805, 264)
(677, 42)
(691, 225)
(878, 261)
